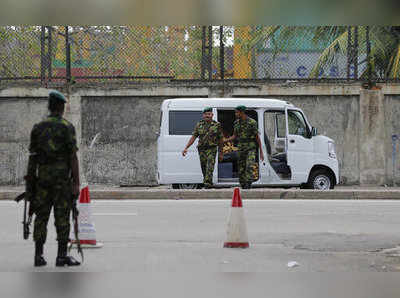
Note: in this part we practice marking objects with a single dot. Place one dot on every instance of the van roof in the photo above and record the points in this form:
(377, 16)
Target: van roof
(200, 103)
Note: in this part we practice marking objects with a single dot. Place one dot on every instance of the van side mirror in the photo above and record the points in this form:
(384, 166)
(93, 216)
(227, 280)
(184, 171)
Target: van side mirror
(314, 131)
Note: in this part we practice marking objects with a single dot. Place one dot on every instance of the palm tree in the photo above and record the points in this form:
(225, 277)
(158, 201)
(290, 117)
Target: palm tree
(384, 41)
(384, 55)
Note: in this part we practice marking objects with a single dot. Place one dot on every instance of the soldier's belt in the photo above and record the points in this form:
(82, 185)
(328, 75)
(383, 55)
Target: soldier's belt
(52, 161)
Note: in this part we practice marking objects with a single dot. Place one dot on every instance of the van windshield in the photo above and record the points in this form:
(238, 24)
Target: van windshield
(297, 124)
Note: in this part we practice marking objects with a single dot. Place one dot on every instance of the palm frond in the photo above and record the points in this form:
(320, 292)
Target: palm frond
(339, 45)
(394, 66)
(258, 37)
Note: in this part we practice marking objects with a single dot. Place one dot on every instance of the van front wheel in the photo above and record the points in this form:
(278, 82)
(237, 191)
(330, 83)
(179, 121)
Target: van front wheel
(185, 186)
(320, 180)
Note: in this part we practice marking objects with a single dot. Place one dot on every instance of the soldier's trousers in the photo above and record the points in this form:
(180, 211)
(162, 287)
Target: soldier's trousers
(207, 162)
(246, 162)
(57, 196)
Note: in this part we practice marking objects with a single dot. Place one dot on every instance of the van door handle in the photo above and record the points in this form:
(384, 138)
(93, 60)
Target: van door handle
(291, 141)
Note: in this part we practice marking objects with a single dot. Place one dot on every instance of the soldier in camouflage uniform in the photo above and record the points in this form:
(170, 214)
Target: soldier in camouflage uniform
(53, 166)
(210, 137)
(245, 131)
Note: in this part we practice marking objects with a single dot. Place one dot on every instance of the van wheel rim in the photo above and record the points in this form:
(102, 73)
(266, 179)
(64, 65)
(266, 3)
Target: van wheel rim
(322, 182)
(187, 186)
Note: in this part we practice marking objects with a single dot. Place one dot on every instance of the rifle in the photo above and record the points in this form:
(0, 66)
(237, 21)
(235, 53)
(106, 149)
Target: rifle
(75, 214)
(28, 214)
(30, 194)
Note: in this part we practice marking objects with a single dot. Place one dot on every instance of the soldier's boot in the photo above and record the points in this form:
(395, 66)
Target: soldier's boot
(246, 185)
(39, 260)
(62, 258)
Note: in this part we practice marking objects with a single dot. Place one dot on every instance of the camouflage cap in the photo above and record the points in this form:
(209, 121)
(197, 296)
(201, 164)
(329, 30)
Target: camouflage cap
(207, 109)
(241, 108)
(57, 96)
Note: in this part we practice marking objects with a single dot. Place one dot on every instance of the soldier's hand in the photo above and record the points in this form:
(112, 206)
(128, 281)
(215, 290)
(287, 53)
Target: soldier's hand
(261, 156)
(184, 152)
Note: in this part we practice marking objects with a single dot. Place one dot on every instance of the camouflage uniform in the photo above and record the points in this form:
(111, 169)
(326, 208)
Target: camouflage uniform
(210, 135)
(246, 132)
(53, 142)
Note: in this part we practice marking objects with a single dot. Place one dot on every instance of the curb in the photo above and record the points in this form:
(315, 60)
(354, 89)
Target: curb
(226, 194)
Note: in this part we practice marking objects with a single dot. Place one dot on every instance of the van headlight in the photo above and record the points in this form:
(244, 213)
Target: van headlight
(331, 150)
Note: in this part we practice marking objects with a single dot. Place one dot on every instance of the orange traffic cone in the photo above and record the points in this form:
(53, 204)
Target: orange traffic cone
(87, 230)
(237, 230)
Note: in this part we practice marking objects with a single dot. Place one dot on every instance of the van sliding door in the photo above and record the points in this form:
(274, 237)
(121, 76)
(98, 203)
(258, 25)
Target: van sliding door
(175, 167)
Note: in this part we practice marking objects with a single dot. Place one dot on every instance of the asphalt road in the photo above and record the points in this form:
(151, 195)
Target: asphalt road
(188, 236)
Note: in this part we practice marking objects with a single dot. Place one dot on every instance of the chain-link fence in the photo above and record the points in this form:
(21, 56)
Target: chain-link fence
(81, 54)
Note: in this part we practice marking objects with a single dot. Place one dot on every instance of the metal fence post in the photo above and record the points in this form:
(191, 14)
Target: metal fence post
(369, 63)
(221, 52)
(203, 52)
(49, 51)
(67, 55)
(210, 48)
(355, 53)
(349, 51)
(42, 54)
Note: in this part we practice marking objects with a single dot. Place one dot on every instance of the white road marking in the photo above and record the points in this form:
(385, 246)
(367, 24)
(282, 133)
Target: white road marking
(114, 214)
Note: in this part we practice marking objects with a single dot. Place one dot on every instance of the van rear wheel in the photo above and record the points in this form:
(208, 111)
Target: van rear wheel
(185, 186)
(320, 180)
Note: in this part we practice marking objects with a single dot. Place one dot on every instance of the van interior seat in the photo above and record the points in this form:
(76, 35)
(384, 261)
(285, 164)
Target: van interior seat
(280, 156)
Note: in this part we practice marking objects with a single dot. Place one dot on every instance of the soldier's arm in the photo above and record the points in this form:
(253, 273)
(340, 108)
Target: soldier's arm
(75, 174)
(220, 143)
(235, 133)
(190, 143)
(231, 138)
(32, 165)
(73, 148)
(30, 177)
(191, 140)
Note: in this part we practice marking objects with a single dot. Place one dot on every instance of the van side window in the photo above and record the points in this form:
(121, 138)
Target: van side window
(183, 122)
(297, 124)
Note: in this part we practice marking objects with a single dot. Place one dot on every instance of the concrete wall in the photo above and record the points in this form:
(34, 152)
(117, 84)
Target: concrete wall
(125, 151)
(127, 120)
(392, 123)
(17, 116)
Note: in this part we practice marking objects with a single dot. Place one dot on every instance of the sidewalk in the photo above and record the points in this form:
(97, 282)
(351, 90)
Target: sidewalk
(103, 192)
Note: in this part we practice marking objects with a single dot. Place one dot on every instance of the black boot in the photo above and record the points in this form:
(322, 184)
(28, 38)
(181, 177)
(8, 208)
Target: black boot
(39, 260)
(62, 258)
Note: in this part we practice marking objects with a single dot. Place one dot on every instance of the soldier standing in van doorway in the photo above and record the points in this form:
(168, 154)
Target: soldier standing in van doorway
(53, 172)
(245, 130)
(210, 137)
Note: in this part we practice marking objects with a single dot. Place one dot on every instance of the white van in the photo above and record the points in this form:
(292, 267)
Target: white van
(294, 154)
